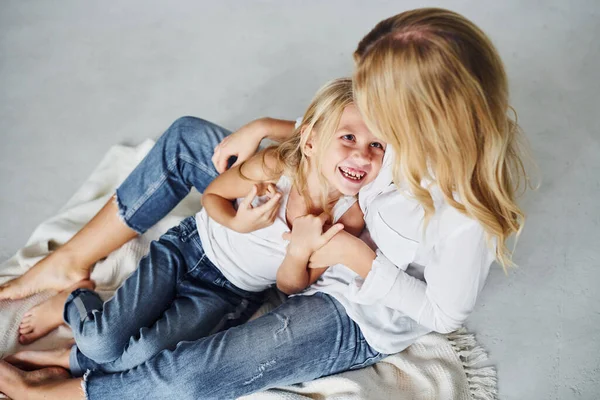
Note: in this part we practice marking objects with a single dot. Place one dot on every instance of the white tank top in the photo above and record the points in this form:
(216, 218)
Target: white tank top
(250, 260)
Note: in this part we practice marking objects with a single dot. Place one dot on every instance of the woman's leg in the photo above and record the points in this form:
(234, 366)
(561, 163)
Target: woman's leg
(305, 338)
(17, 384)
(180, 159)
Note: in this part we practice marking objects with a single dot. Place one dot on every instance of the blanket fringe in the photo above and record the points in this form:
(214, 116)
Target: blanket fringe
(482, 380)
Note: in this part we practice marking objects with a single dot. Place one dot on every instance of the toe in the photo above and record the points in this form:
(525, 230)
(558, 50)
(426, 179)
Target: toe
(27, 338)
(25, 329)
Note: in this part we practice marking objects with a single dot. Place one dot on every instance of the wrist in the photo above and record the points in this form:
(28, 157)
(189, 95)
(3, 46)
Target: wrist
(298, 253)
(360, 258)
(263, 128)
(274, 129)
(236, 225)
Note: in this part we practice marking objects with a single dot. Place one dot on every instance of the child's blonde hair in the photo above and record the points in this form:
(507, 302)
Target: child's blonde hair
(319, 123)
(431, 84)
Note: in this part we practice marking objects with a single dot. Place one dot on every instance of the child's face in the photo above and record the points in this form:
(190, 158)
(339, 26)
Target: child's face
(354, 156)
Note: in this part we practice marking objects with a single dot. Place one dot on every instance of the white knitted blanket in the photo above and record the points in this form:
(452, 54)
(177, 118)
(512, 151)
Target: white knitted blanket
(435, 367)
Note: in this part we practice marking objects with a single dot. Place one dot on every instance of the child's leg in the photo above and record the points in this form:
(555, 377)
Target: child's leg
(187, 320)
(204, 302)
(46, 316)
(180, 159)
(102, 330)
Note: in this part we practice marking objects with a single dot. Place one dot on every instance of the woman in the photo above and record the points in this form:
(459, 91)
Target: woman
(430, 84)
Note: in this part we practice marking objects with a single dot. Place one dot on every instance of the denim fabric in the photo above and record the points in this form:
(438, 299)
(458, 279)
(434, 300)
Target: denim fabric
(305, 338)
(180, 160)
(176, 294)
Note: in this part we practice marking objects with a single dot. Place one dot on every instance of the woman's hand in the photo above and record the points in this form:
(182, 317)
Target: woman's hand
(307, 235)
(250, 219)
(242, 144)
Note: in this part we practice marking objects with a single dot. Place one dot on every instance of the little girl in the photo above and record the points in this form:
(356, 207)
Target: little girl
(210, 272)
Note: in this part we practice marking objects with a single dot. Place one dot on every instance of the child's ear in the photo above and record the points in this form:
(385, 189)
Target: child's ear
(309, 145)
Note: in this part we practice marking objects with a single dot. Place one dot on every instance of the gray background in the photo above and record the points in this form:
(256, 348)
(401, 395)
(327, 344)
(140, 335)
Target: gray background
(77, 77)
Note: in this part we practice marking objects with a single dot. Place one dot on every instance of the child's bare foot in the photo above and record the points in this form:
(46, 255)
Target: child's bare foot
(57, 271)
(16, 383)
(47, 316)
(35, 359)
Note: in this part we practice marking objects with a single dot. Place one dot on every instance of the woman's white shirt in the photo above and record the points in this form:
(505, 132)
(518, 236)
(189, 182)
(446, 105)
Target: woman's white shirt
(420, 280)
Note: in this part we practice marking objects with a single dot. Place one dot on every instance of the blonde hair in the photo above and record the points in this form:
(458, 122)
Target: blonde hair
(319, 123)
(431, 84)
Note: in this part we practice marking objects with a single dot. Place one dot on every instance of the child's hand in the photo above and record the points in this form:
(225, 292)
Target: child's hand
(307, 234)
(250, 219)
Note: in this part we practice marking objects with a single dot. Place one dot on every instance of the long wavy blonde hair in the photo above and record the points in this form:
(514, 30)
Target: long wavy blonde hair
(431, 84)
(319, 123)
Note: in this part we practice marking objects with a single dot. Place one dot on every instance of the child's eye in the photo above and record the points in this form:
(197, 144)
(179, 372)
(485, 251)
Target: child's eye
(348, 137)
(377, 145)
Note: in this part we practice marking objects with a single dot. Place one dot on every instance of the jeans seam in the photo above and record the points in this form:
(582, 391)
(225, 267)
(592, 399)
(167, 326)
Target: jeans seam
(338, 339)
(362, 364)
(171, 166)
(201, 166)
(197, 264)
(353, 348)
(147, 194)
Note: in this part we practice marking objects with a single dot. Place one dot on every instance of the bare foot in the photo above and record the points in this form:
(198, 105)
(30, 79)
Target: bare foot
(35, 359)
(47, 316)
(16, 383)
(57, 271)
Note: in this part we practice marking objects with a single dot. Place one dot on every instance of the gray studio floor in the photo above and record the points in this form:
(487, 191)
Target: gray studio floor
(77, 77)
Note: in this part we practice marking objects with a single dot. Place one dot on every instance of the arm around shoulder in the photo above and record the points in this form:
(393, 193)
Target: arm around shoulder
(454, 277)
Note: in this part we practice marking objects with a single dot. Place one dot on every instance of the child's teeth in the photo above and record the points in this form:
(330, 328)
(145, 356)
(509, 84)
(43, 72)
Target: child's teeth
(352, 174)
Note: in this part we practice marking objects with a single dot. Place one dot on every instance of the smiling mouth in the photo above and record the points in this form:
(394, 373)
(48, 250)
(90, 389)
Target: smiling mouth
(352, 174)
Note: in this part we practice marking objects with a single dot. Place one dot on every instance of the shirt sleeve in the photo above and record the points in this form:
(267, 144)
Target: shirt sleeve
(453, 279)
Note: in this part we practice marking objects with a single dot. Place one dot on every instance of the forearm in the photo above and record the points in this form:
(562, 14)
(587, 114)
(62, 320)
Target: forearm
(345, 249)
(277, 130)
(220, 209)
(359, 257)
(293, 274)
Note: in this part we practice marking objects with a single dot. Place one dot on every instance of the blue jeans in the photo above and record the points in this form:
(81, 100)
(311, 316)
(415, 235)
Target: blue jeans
(176, 294)
(305, 338)
(180, 159)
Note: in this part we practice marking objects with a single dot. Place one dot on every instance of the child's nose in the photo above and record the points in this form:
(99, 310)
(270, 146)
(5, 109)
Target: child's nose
(362, 155)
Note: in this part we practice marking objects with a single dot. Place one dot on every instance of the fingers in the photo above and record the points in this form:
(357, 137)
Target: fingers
(271, 207)
(271, 191)
(219, 159)
(222, 154)
(247, 202)
(274, 211)
(331, 232)
(323, 217)
(238, 161)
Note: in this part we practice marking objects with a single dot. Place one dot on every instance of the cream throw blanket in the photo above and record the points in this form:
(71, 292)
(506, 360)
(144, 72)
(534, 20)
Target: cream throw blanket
(435, 367)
